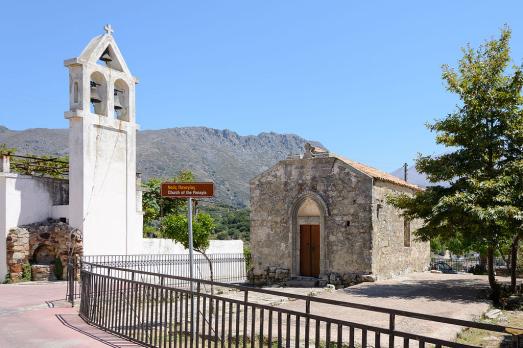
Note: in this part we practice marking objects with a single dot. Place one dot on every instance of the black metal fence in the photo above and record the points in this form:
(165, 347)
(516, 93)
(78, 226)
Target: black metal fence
(227, 268)
(463, 264)
(158, 315)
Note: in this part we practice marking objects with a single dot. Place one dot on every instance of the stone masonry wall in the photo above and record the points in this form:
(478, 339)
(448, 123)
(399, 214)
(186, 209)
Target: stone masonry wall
(347, 195)
(390, 256)
(23, 241)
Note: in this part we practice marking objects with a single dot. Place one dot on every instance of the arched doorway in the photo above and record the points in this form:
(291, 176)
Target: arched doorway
(307, 235)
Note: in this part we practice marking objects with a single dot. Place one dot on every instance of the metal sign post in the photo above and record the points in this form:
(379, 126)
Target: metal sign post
(189, 190)
(191, 264)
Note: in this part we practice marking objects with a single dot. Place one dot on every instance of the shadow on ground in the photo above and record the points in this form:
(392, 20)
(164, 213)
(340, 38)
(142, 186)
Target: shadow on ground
(73, 321)
(450, 290)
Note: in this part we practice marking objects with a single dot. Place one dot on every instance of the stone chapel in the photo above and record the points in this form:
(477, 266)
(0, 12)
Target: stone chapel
(325, 218)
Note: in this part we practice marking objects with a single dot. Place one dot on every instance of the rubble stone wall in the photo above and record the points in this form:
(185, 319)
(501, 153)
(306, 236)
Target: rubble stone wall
(390, 255)
(23, 241)
(346, 193)
(361, 235)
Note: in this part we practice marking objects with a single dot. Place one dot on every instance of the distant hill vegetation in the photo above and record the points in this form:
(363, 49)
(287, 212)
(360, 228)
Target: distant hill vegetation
(223, 156)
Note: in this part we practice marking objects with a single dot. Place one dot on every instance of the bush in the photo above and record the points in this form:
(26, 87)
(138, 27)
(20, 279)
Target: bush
(7, 279)
(26, 272)
(58, 269)
(248, 257)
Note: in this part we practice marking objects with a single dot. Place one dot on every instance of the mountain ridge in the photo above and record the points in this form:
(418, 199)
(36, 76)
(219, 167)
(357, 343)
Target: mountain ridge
(220, 155)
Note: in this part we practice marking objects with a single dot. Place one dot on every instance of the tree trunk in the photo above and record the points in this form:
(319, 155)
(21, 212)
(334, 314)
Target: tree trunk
(211, 271)
(513, 263)
(494, 286)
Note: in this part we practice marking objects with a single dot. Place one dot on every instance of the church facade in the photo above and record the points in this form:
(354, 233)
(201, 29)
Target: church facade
(322, 216)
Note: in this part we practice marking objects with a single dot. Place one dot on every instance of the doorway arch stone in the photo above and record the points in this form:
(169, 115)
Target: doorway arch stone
(307, 208)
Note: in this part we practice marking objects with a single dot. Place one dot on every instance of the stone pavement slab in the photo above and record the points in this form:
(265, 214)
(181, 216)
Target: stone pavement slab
(460, 296)
(34, 315)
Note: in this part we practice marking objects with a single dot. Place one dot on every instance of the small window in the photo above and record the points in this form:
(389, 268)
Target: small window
(406, 232)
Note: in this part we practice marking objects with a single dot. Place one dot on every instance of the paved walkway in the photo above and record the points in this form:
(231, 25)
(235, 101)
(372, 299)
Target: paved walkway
(35, 315)
(459, 296)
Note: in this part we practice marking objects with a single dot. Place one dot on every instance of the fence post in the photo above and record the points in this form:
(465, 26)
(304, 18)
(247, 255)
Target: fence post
(70, 283)
(392, 327)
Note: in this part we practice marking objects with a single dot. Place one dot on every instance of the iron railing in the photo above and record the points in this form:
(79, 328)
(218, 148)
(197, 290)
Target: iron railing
(463, 264)
(227, 268)
(155, 314)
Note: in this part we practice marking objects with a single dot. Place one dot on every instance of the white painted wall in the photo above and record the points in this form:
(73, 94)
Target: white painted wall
(229, 267)
(60, 211)
(102, 174)
(168, 246)
(24, 200)
(102, 154)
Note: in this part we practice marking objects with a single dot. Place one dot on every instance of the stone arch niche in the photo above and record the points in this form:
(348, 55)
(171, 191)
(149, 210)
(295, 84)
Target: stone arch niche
(308, 209)
(44, 255)
(98, 91)
(121, 100)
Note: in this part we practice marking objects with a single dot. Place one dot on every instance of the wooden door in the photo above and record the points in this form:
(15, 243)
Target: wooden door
(310, 250)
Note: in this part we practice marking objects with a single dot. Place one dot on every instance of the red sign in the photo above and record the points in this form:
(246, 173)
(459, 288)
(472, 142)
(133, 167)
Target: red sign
(187, 189)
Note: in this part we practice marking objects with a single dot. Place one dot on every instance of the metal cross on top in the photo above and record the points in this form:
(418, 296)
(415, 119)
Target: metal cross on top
(108, 29)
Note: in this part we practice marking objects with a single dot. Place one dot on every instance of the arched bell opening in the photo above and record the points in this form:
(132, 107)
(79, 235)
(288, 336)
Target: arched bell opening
(121, 100)
(97, 94)
(109, 59)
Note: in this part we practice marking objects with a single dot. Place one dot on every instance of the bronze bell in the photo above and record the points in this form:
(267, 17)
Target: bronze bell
(106, 57)
(117, 104)
(95, 98)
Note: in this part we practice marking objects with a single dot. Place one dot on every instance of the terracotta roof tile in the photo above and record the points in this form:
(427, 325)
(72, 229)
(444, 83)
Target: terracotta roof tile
(376, 173)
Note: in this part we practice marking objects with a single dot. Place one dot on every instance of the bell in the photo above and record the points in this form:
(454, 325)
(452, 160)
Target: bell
(95, 98)
(117, 104)
(106, 57)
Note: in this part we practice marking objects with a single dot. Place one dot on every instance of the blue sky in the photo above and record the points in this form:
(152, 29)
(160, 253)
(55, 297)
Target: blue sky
(361, 77)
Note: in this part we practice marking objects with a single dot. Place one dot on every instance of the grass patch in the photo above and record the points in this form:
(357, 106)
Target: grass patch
(483, 338)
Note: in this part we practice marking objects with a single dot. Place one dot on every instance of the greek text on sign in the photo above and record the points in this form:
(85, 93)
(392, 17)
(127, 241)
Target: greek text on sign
(187, 189)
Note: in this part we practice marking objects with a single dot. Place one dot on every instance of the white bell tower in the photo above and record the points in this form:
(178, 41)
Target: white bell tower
(102, 149)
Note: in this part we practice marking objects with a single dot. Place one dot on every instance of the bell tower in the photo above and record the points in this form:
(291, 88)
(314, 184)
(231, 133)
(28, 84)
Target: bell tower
(102, 149)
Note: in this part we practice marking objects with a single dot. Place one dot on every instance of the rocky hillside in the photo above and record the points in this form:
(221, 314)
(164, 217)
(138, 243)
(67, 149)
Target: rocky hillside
(225, 157)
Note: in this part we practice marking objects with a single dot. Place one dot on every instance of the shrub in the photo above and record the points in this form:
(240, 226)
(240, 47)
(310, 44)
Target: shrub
(248, 256)
(26, 272)
(58, 269)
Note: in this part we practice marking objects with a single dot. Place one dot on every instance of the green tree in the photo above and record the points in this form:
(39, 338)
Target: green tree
(155, 206)
(176, 227)
(484, 141)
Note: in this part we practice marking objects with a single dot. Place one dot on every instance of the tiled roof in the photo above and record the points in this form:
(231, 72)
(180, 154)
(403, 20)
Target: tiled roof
(376, 173)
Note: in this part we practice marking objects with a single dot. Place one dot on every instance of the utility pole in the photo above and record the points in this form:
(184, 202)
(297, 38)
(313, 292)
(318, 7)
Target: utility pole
(405, 169)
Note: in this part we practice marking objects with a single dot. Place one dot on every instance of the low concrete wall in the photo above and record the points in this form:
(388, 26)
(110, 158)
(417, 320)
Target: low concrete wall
(168, 246)
(60, 211)
(25, 200)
